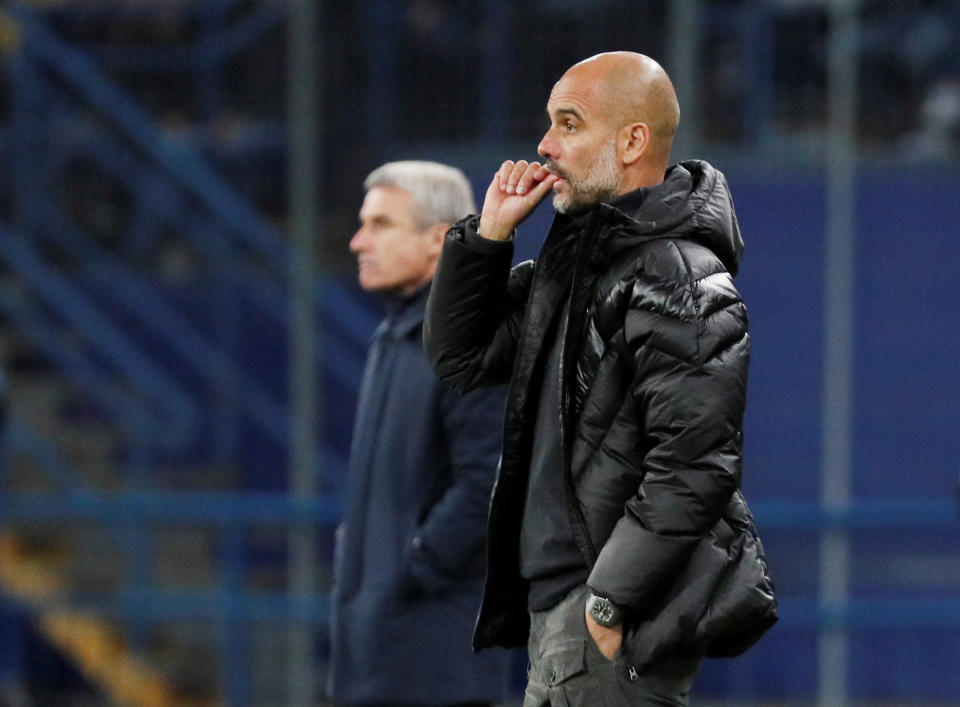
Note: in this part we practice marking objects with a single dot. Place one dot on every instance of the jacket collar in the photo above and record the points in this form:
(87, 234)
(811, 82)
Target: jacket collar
(693, 201)
(404, 315)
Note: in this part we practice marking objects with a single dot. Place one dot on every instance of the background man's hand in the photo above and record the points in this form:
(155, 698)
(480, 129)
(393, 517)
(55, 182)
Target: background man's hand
(608, 640)
(514, 193)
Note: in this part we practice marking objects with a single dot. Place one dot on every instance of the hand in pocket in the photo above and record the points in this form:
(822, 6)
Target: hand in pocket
(608, 640)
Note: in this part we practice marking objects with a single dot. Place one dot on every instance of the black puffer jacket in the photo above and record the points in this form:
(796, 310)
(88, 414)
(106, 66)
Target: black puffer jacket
(654, 374)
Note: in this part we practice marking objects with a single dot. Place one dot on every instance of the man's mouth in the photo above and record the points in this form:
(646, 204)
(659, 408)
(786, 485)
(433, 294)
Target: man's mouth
(559, 173)
(553, 169)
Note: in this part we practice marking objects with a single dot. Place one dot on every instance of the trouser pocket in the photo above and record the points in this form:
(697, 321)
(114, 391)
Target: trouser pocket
(567, 668)
(559, 677)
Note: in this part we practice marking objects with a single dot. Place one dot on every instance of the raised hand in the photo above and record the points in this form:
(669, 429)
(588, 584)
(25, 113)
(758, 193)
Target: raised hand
(513, 194)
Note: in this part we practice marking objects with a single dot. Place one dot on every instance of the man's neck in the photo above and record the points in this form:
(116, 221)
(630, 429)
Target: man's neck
(642, 177)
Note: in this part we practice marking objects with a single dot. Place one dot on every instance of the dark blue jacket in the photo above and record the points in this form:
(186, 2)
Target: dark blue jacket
(409, 562)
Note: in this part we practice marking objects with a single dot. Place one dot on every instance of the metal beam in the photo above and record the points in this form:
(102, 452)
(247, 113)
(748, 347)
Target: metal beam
(303, 118)
(838, 322)
(684, 23)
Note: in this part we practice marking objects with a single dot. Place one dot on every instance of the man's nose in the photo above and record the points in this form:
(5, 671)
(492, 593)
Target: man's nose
(546, 148)
(358, 241)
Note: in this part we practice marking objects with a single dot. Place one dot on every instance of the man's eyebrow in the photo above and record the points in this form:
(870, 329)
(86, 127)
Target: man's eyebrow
(378, 219)
(561, 112)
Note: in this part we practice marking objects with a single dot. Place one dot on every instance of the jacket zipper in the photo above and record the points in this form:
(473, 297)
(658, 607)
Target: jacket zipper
(577, 520)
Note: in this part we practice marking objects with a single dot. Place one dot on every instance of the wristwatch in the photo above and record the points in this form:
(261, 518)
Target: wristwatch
(604, 611)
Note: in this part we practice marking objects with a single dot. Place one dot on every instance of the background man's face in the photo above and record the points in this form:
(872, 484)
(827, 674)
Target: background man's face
(392, 255)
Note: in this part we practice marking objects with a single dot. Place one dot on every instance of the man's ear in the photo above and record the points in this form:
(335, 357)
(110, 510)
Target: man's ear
(635, 139)
(434, 237)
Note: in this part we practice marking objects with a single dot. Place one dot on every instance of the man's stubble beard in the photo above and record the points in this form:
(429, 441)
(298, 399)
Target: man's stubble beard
(600, 183)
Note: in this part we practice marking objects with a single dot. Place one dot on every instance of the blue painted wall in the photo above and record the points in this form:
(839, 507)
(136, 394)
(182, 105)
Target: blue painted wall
(905, 441)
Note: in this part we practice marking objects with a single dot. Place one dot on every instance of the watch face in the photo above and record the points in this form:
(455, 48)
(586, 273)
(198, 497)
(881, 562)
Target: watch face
(603, 611)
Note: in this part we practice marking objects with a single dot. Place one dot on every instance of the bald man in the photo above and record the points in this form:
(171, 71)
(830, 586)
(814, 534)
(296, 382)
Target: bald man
(620, 548)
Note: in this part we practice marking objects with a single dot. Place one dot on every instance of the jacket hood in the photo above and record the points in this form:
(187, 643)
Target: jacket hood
(694, 202)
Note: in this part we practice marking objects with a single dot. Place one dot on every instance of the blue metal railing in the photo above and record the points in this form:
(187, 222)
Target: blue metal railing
(56, 88)
(20, 436)
(214, 49)
(180, 164)
(66, 300)
(130, 411)
(343, 349)
(226, 510)
(864, 514)
(338, 351)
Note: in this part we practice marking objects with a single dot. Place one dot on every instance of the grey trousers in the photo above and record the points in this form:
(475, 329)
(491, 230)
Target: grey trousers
(568, 670)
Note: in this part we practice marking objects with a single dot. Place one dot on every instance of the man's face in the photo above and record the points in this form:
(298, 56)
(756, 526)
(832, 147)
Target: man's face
(580, 145)
(392, 255)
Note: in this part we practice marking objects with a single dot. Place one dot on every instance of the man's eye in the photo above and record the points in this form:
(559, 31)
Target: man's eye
(569, 126)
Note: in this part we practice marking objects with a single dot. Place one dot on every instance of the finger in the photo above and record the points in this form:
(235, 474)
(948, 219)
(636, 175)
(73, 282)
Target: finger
(530, 177)
(516, 174)
(542, 188)
(506, 169)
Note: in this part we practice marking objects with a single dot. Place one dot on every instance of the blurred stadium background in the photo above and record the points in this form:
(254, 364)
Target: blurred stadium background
(181, 337)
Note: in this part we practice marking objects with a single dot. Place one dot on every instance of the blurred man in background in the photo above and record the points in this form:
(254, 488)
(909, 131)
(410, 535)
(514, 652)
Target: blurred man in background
(409, 564)
(616, 508)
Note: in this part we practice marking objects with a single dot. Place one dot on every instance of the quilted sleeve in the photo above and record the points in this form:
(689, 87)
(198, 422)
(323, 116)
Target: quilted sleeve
(687, 333)
(475, 309)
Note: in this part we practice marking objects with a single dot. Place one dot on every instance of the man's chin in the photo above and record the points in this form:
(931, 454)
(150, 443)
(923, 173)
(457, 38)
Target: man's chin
(567, 205)
(564, 201)
(370, 284)
(571, 205)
